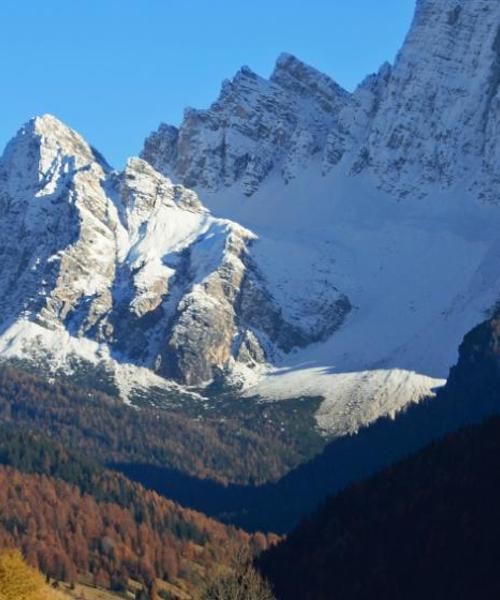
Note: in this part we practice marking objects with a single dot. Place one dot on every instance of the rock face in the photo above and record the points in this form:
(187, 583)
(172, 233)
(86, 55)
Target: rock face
(256, 126)
(436, 121)
(132, 262)
(57, 229)
(429, 121)
(477, 373)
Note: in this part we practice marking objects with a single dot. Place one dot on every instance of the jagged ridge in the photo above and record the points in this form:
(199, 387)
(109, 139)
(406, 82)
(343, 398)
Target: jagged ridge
(255, 126)
(425, 123)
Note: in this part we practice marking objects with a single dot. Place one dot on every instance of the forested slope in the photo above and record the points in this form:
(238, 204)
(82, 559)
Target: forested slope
(71, 518)
(243, 442)
(427, 527)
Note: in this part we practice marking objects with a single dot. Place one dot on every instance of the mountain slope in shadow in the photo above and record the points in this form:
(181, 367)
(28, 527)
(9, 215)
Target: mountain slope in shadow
(471, 394)
(425, 528)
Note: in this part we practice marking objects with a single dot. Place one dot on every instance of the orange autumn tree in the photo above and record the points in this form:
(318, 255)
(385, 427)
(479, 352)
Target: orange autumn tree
(18, 581)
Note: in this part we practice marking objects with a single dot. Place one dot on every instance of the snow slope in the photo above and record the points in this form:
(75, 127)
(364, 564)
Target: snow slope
(129, 273)
(418, 274)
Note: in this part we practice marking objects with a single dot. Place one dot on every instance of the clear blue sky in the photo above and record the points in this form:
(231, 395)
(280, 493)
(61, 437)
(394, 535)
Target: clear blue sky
(114, 69)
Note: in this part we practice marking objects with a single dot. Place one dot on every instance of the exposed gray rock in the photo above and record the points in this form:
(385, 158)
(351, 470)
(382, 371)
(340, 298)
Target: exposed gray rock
(431, 119)
(435, 123)
(255, 126)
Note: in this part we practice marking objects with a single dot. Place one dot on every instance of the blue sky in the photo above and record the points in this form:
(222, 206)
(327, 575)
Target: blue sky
(114, 69)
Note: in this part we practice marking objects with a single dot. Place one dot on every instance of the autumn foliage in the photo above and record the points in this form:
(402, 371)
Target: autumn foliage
(18, 581)
(250, 448)
(65, 532)
(73, 518)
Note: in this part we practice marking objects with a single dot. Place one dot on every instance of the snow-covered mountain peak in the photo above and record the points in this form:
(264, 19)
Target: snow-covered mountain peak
(130, 268)
(431, 119)
(48, 127)
(42, 154)
(53, 138)
(385, 196)
(437, 121)
(237, 94)
(360, 246)
(287, 62)
(245, 73)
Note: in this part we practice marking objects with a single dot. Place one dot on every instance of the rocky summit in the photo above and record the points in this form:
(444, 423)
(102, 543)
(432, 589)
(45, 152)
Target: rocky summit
(256, 126)
(133, 264)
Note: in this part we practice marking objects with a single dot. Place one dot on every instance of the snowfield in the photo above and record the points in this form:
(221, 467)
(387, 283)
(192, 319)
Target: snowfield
(419, 274)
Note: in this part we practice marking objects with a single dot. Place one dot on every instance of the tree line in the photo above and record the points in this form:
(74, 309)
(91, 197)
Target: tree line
(243, 448)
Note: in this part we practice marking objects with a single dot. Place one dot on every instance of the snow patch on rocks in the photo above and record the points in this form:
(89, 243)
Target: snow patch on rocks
(351, 400)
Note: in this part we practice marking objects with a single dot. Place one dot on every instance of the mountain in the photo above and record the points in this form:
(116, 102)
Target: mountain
(104, 427)
(424, 528)
(349, 240)
(100, 252)
(128, 266)
(419, 126)
(127, 277)
(254, 127)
